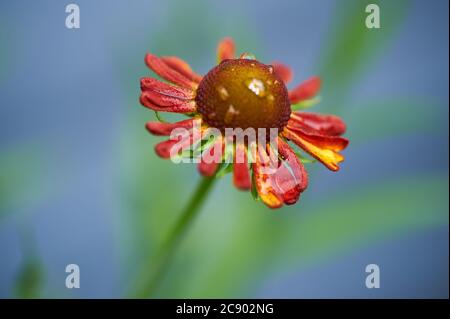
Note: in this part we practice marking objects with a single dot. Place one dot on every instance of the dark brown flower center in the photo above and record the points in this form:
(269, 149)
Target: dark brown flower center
(243, 93)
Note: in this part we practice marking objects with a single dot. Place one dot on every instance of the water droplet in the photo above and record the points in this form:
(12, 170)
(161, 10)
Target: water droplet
(223, 93)
(271, 69)
(230, 115)
(256, 86)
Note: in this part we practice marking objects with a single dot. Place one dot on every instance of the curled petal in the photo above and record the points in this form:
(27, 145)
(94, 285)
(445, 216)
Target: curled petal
(211, 158)
(150, 84)
(325, 124)
(264, 187)
(322, 124)
(165, 129)
(334, 143)
(225, 50)
(166, 72)
(163, 149)
(284, 184)
(175, 146)
(306, 90)
(283, 71)
(299, 177)
(323, 148)
(241, 176)
(161, 102)
(181, 67)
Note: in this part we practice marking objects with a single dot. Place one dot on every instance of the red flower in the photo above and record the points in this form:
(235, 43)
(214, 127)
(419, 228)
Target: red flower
(244, 93)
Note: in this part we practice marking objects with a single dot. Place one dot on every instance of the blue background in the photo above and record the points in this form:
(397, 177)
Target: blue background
(79, 182)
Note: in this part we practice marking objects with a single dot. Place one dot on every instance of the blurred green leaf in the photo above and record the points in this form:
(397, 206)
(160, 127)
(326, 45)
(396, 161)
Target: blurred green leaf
(18, 178)
(369, 213)
(238, 253)
(29, 280)
(352, 47)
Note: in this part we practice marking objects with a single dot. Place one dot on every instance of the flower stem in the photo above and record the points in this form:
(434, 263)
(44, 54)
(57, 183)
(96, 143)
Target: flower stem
(150, 279)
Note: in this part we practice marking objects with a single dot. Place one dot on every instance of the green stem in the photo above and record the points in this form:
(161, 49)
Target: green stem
(150, 278)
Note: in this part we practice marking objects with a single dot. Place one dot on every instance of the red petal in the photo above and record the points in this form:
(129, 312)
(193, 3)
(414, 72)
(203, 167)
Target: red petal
(163, 148)
(297, 170)
(334, 143)
(158, 128)
(208, 167)
(241, 176)
(263, 183)
(166, 72)
(322, 124)
(182, 142)
(305, 91)
(322, 147)
(160, 102)
(284, 185)
(150, 84)
(283, 71)
(181, 67)
(225, 50)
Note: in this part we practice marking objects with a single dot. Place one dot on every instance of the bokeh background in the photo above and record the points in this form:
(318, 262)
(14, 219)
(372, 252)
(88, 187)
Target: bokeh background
(80, 183)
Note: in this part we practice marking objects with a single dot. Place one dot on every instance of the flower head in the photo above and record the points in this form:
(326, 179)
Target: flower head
(243, 95)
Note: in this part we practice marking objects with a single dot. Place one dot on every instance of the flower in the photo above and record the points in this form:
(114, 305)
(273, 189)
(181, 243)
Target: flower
(243, 93)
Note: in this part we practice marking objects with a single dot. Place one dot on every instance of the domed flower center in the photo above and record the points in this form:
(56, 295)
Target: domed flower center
(243, 93)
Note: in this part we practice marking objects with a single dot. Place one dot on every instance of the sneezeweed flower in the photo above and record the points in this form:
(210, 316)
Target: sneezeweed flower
(243, 93)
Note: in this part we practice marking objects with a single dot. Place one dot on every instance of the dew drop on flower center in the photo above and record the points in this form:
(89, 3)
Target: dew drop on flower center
(243, 93)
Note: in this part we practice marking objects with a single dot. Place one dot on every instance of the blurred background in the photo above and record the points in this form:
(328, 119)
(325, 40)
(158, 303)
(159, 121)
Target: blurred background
(80, 183)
